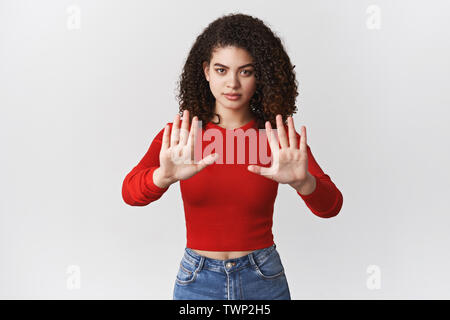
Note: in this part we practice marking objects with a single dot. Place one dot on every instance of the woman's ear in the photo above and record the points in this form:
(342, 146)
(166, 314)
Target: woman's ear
(206, 70)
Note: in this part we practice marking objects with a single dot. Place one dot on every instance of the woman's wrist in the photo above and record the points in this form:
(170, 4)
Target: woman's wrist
(160, 180)
(307, 187)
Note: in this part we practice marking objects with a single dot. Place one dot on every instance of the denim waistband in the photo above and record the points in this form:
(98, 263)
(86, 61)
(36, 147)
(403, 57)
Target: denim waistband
(258, 256)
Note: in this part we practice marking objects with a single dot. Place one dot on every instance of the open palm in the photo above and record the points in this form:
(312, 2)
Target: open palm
(177, 150)
(290, 163)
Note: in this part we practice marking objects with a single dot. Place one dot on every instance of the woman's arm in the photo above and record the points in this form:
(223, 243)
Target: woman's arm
(139, 188)
(321, 196)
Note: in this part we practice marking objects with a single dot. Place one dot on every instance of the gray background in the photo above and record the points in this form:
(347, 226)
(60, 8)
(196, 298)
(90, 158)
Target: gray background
(80, 107)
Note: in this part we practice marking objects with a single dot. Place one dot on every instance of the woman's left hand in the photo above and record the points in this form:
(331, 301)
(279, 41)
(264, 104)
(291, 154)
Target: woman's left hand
(290, 164)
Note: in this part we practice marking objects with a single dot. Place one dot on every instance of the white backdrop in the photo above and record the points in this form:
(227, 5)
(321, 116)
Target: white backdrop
(86, 85)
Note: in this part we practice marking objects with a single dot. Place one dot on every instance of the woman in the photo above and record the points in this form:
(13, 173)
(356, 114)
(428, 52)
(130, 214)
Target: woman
(237, 79)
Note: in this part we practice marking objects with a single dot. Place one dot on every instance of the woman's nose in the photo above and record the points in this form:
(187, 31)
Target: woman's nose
(233, 82)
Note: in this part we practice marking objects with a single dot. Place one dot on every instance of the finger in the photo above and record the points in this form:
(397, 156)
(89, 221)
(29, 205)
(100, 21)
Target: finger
(192, 136)
(175, 136)
(271, 136)
(268, 128)
(281, 132)
(273, 141)
(184, 128)
(303, 144)
(267, 172)
(166, 136)
(292, 134)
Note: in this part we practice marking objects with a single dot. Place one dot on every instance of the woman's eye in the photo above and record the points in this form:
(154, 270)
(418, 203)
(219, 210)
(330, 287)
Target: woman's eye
(248, 71)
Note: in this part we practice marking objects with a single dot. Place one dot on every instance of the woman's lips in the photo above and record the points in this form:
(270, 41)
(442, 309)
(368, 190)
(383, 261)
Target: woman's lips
(232, 97)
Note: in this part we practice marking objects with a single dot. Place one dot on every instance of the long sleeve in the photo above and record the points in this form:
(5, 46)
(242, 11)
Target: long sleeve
(326, 200)
(138, 188)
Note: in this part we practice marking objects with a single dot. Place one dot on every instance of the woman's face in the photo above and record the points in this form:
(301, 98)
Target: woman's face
(231, 72)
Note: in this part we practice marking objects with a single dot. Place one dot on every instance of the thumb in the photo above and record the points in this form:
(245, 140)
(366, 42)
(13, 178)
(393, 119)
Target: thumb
(207, 161)
(267, 172)
(254, 169)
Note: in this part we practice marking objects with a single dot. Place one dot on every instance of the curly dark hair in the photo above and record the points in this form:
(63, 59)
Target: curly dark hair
(276, 86)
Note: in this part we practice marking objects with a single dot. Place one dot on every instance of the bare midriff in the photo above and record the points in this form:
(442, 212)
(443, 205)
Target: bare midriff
(222, 255)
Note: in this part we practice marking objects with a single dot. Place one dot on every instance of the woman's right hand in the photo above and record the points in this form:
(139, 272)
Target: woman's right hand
(176, 157)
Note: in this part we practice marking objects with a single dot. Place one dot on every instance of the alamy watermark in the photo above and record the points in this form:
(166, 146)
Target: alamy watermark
(233, 144)
(373, 282)
(74, 279)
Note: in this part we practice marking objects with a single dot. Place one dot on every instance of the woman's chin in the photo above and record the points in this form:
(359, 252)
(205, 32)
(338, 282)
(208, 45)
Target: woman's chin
(233, 104)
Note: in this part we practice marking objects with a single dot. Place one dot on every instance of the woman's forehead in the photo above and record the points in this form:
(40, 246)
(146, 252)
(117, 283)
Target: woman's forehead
(231, 55)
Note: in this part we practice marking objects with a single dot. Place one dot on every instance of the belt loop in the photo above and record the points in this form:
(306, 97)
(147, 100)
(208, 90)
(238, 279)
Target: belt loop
(266, 252)
(251, 258)
(200, 265)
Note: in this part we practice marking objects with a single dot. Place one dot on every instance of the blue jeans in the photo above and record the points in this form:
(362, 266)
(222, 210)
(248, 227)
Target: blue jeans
(256, 276)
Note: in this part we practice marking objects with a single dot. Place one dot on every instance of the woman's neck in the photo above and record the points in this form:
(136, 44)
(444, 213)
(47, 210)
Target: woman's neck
(229, 119)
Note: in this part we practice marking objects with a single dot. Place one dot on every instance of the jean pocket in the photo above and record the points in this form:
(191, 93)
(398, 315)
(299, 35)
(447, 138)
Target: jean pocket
(187, 272)
(271, 267)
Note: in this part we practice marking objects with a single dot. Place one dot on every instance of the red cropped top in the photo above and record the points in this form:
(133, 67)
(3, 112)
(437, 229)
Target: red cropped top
(227, 207)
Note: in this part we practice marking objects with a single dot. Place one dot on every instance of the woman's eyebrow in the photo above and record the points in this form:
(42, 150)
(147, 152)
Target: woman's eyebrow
(246, 65)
